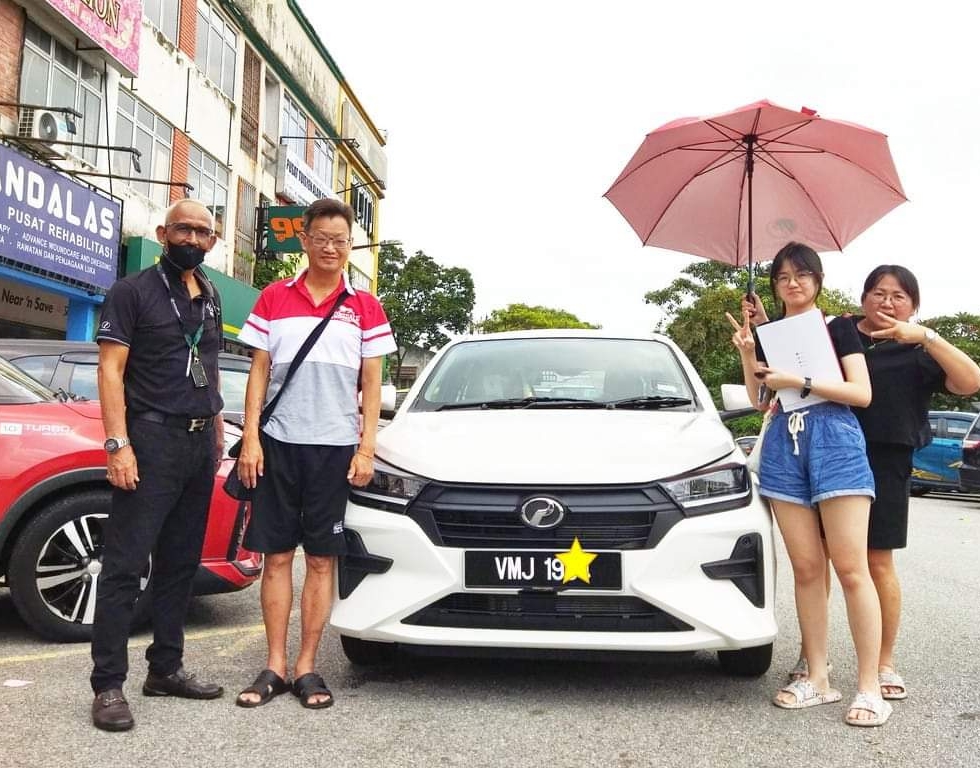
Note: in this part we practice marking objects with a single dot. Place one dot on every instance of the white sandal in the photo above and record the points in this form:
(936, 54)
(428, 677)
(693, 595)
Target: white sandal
(869, 702)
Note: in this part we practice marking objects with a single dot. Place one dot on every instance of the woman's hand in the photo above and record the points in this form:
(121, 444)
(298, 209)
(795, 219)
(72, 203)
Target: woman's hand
(777, 380)
(752, 304)
(899, 330)
(742, 339)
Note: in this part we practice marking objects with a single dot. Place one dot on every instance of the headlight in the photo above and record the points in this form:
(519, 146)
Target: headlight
(713, 490)
(391, 488)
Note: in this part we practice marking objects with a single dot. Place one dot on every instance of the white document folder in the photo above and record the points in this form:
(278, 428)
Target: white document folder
(800, 344)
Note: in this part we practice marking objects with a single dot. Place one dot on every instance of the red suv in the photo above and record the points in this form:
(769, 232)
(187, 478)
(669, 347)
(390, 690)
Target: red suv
(54, 500)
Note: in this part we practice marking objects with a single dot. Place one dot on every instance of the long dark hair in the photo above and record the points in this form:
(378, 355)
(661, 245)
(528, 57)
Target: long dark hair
(801, 258)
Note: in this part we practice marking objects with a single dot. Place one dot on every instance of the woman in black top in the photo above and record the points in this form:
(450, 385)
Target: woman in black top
(907, 364)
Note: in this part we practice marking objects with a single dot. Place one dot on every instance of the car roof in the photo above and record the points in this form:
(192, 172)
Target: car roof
(955, 414)
(15, 348)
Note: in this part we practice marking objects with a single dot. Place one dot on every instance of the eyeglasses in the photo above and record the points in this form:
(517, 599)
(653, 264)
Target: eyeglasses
(880, 297)
(805, 276)
(186, 230)
(321, 241)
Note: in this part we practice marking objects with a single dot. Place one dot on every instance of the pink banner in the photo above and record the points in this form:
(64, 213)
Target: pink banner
(113, 25)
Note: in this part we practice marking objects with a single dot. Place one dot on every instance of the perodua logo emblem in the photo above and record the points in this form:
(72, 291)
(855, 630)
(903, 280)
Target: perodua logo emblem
(542, 512)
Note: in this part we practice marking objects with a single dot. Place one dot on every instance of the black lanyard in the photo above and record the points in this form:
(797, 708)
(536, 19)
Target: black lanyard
(192, 339)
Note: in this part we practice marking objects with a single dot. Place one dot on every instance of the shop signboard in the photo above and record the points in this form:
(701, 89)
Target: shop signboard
(113, 25)
(285, 224)
(52, 223)
(296, 181)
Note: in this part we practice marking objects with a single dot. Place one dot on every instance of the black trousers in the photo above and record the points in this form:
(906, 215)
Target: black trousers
(165, 516)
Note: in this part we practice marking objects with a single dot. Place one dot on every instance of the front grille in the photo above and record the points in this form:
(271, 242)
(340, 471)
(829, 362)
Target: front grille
(556, 612)
(602, 517)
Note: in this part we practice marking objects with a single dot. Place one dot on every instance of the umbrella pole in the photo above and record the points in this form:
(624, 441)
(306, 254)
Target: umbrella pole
(749, 168)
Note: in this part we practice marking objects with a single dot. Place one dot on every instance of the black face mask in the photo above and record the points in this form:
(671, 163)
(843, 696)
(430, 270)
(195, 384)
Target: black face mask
(185, 256)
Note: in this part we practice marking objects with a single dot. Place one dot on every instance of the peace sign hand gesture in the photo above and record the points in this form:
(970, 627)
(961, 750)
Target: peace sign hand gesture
(742, 338)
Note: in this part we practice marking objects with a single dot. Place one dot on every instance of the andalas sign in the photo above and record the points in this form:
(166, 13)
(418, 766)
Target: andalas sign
(50, 222)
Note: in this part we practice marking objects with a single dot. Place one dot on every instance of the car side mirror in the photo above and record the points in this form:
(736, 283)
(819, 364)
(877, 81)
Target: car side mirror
(736, 402)
(388, 406)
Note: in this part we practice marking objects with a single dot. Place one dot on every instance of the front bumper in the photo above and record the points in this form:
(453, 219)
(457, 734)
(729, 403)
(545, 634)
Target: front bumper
(685, 608)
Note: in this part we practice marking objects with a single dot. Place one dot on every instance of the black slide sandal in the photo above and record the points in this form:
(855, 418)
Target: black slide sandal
(266, 686)
(311, 684)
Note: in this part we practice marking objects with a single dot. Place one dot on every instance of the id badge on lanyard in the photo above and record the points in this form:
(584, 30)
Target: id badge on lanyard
(195, 368)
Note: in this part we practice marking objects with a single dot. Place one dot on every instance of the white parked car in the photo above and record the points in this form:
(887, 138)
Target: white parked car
(559, 490)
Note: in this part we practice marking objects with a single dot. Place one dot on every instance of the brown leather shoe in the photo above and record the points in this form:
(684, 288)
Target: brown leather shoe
(110, 711)
(180, 684)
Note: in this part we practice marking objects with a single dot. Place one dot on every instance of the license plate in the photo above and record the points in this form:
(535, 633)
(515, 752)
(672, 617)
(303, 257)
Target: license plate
(521, 568)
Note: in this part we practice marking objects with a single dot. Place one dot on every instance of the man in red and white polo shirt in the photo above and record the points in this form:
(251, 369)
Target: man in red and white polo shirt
(304, 459)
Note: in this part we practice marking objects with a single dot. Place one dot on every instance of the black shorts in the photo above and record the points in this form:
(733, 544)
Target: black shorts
(892, 468)
(301, 498)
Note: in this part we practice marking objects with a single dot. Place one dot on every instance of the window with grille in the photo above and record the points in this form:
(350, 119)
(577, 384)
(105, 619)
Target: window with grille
(54, 75)
(245, 232)
(210, 180)
(139, 126)
(215, 52)
(362, 201)
(251, 82)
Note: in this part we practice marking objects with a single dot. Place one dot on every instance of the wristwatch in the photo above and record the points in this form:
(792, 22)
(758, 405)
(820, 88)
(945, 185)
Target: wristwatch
(807, 386)
(113, 444)
(930, 336)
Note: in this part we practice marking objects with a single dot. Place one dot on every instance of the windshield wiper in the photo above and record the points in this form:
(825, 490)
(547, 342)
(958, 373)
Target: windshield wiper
(524, 402)
(650, 401)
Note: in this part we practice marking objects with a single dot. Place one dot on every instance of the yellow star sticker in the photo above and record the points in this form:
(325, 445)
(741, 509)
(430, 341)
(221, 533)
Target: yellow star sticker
(576, 561)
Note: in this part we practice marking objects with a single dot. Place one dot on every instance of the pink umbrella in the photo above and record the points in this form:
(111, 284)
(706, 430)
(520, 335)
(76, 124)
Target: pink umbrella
(760, 175)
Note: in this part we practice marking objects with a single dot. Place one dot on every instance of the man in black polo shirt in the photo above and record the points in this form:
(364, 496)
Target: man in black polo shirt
(159, 338)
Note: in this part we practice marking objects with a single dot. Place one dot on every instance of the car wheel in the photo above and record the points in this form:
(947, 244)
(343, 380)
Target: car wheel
(367, 653)
(747, 662)
(55, 566)
(918, 490)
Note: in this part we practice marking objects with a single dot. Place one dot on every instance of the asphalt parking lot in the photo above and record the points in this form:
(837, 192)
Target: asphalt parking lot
(455, 712)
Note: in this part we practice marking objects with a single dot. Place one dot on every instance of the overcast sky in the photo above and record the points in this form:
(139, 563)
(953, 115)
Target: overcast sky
(507, 121)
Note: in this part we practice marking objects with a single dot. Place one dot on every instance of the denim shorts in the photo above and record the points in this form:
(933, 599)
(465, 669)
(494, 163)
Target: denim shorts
(826, 459)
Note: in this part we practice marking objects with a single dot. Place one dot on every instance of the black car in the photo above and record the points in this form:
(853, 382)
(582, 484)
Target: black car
(72, 366)
(970, 468)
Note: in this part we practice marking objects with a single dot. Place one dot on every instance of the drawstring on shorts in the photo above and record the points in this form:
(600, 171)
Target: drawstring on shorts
(796, 424)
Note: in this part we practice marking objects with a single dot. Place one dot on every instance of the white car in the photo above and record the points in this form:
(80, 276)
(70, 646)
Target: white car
(559, 490)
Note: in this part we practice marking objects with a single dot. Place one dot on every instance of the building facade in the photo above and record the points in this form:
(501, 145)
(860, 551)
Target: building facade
(111, 110)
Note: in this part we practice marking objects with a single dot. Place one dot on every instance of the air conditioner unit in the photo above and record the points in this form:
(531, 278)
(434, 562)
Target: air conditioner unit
(50, 127)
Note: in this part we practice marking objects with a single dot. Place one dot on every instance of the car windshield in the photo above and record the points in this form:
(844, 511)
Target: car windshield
(556, 373)
(17, 388)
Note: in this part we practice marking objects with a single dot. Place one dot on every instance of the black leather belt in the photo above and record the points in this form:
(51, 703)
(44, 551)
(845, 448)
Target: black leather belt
(187, 423)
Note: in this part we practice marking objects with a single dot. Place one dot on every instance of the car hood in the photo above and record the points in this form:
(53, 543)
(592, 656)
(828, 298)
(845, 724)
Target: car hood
(554, 446)
(88, 408)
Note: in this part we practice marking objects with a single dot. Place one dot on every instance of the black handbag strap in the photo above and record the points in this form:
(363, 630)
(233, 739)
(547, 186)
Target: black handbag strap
(300, 356)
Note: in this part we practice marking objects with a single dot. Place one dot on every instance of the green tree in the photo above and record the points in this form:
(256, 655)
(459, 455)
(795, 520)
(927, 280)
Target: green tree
(521, 317)
(694, 307)
(962, 331)
(267, 271)
(422, 299)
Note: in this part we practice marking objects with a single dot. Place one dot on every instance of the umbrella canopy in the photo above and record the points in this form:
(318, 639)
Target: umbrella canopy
(756, 178)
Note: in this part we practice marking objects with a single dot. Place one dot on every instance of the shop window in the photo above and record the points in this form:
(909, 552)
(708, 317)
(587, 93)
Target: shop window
(54, 75)
(140, 127)
(294, 124)
(362, 201)
(210, 181)
(215, 52)
(323, 160)
(163, 15)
